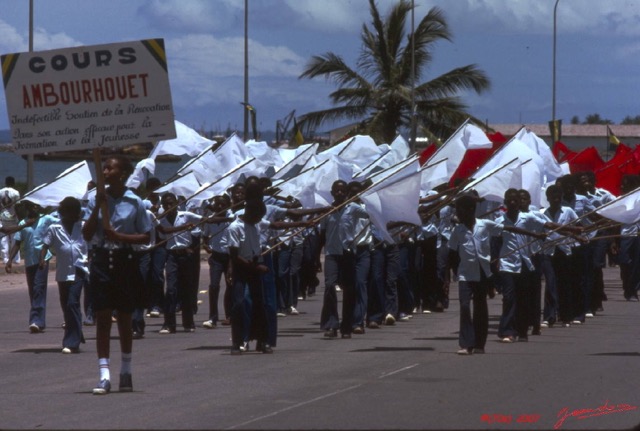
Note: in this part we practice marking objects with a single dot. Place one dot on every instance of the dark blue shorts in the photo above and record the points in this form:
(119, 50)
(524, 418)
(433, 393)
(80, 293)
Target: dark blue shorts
(115, 280)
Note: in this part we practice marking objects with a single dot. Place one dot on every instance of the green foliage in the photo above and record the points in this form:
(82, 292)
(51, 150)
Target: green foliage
(377, 92)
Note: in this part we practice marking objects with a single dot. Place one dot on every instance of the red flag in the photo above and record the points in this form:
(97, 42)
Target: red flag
(561, 152)
(427, 153)
(473, 159)
(586, 160)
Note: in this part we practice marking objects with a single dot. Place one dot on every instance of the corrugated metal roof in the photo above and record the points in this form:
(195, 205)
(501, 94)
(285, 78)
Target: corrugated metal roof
(572, 130)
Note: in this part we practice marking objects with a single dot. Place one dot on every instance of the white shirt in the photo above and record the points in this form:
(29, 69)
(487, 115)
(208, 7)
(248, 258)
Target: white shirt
(181, 239)
(8, 197)
(216, 234)
(70, 250)
(474, 248)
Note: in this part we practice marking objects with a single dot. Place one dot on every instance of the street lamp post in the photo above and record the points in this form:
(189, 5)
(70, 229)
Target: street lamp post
(553, 96)
(246, 71)
(412, 139)
(30, 158)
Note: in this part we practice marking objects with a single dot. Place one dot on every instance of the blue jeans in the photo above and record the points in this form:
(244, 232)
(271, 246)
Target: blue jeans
(144, 262)
(269, 302)
(218, 263)
(289, 264)
(336, 267)
(158, 262)
(362, 263)
(550, 311)
(473, 330)
(406, 277)
(70, 292)
(37, 286)
(179, 267)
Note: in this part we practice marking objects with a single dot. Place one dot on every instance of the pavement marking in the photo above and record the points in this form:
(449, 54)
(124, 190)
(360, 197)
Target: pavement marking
(295, 406)
(321, 397)
(391, 373)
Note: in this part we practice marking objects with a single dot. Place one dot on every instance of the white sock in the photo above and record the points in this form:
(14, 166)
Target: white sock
(125, 365)
(103, 365)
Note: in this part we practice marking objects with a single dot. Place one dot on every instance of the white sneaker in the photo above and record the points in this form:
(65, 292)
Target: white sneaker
(293, 311)
(208, 324)
(576, 322)
(544, 324)
(338, 288)
(588, 315)
(426, 311)
(389, 320)
(66, 350)
(281, 314)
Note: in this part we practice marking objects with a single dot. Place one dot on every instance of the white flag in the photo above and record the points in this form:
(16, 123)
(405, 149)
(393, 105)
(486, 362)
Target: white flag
(467, 137)
(143, 169)
(552, 169)
(181, 186)
(71, 182)
(391, 201)
(187, 141)
(625, 209)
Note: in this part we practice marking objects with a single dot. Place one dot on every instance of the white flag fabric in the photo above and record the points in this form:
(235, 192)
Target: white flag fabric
(398, 171)
(262, 151)
(531, 173)
(296, 164)
(187, 141)
(400, 148)
(360, 150)
(208, 166)
(326, 174)
(394, 201)
(552, 169)
(288, 154)
(494, 183)
(433, 175)
(71, 182)
(467, 137)
(143, 169)
(182, 186)
(625, 209)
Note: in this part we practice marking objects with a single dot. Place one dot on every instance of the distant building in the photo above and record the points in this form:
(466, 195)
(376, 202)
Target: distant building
(577, 137)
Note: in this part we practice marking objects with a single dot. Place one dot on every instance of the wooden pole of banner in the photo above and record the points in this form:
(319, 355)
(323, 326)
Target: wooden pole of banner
(100, 188)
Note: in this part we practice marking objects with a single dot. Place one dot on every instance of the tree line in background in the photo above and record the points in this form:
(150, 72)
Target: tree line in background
(597, 119)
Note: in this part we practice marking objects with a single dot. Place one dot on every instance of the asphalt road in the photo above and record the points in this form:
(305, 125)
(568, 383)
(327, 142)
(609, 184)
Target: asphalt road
(405, 376)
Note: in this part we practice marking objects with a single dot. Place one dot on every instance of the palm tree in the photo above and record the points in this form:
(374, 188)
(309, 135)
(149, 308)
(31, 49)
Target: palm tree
(378, 92)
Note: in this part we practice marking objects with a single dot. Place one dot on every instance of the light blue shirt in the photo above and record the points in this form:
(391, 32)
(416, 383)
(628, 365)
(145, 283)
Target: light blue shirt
(127, 215)
(515, 249)
(70, 250)
(179, 240)
(246, 237)
(31, 238)
(474, 248)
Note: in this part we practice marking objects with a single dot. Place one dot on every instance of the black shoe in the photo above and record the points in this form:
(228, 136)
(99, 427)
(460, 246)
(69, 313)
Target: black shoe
(331, 333)
(266, 348)
(536, 332)
(138, 335)
(126, 383)
(346, 336)
(236, 351)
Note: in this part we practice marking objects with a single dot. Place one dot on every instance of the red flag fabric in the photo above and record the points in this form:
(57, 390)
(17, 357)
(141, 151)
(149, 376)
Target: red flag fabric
(625, 161)
(473, 159)
(497, 138)
(561, 152)
(586, 160)
(427, 153)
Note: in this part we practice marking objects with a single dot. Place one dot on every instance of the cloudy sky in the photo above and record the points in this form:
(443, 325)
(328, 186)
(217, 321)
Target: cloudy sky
(598, 51)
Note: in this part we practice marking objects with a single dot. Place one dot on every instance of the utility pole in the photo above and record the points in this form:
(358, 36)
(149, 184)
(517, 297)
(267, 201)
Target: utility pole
(245, 134)
(30, 164)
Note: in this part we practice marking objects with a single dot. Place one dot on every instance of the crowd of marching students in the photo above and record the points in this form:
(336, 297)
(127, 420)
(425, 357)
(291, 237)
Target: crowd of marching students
(266, 251)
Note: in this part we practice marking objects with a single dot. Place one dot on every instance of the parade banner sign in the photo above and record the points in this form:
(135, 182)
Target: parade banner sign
(88, 97)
